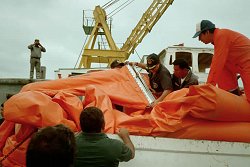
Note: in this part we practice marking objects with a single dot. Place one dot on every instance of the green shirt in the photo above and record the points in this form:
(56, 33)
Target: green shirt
(97, 150)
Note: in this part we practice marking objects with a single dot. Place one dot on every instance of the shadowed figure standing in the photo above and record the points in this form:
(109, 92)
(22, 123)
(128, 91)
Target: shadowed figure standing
(36, 53)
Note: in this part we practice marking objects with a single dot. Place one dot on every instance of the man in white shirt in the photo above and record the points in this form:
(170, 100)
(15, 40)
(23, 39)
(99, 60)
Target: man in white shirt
(183, 76)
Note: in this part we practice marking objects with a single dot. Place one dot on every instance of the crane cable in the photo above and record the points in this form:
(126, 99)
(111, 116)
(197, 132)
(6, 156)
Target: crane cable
(119, 8)
(110, 3)
(106, 4)
(122, 6)
(138, 55)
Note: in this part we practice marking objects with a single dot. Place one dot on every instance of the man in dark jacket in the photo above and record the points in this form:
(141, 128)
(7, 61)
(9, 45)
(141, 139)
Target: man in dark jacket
(183, 76)
(159, 77)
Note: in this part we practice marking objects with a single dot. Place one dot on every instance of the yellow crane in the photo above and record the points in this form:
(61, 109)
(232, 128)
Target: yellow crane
(148, 20)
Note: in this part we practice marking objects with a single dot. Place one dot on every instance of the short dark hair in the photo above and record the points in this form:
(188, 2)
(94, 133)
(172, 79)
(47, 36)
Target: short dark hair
(152, 60)
(51, 146)
(92, 120)
(182, 63)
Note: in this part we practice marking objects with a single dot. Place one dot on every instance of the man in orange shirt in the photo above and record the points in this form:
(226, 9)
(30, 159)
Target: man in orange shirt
(231, 57)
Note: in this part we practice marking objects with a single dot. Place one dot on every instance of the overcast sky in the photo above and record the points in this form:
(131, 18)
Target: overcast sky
(58, 25)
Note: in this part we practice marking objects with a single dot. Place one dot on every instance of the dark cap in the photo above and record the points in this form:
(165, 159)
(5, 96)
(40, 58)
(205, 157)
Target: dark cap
(152, 60)
(116, 63)
(202, 26)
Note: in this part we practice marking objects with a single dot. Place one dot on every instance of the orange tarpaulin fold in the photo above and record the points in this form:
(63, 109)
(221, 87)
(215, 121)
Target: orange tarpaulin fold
(200, 112)
(117, 84)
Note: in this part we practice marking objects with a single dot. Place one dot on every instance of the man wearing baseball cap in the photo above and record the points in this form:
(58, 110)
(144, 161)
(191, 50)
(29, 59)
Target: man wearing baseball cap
(159, 77)
(231, 57)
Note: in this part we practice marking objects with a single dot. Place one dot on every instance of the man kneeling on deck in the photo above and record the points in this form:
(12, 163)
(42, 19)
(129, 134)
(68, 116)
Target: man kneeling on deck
(183, 76)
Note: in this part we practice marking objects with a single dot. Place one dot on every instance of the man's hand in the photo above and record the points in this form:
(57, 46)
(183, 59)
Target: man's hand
(132, 63)
(163, 95)
(123, 133)
(153, 104)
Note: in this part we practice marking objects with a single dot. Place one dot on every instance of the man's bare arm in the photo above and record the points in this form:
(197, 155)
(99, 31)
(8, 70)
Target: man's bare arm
(124, 135)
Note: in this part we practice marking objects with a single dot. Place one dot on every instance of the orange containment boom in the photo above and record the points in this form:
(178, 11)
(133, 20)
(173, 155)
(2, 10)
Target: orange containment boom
(200, 112)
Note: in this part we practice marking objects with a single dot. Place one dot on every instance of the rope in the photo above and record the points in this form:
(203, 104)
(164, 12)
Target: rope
(110, 3)
(120, 7)
(18, 145)
(106, 3)
(139, 58)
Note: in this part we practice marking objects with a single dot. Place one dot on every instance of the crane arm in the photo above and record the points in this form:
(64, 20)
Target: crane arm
(145, 25)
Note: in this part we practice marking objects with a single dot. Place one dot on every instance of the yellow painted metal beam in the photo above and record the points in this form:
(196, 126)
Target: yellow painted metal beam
(100, 56)
(104, 53)
(89, 51)
(144, 26)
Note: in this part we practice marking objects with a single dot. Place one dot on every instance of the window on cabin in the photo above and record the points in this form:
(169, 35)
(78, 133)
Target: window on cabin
(204, 62)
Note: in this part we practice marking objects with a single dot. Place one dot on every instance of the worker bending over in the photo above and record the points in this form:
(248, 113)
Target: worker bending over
(231, 57)
(159, 77)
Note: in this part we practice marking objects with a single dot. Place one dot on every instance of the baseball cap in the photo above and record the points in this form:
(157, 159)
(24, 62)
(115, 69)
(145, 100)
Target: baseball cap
(116, 63)
(202, 26)
(152, 61)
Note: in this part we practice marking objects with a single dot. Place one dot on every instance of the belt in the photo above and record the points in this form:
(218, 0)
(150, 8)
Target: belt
(35, 57)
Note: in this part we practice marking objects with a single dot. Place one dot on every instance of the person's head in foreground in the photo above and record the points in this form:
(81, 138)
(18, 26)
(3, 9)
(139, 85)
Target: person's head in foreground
(50, 147)
(92, 120)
